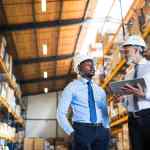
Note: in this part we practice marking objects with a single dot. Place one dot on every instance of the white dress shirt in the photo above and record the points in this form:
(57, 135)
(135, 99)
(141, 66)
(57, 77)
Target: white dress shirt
(143, 72)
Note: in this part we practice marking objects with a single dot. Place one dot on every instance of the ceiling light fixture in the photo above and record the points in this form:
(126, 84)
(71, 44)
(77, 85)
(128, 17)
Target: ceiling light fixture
(43, 5)
(45, 75)
(45, 90)
(44, 49)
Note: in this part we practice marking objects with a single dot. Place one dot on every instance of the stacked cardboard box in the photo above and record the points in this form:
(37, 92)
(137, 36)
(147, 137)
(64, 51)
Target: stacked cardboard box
(126, 144)
(2, 143)
(10, 97)
(19, 136)
(61, 147)
(7, 131)
(113, 110)
(3, 89)
(8, 62)
(107, 39)
(109, 68)
(146, 11)
(18, 91)
(116, 57)
(110, 109)
(121, 109)
(8, 94)
(120, 141)
(35, 144)
(18, 110)
(147, 40)
(39, 144)
(133, 26)
(51, 147)
(3, 77)
(122, 137)
(113, 61)
(60, 144)
(28, 144)
(2, 46)
(116, 109)
(7, 59)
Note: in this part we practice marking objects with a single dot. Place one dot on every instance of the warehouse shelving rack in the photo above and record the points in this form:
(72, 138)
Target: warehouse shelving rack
(3, 69)
(3, 102)
(146, 30)
(10, 139)
(113, 73)
(17, 118)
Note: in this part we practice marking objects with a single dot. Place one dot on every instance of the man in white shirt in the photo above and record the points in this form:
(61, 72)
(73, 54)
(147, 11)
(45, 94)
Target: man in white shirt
(139, 105)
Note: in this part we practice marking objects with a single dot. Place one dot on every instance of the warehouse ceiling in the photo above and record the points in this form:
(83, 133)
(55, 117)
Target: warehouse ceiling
(43, 36)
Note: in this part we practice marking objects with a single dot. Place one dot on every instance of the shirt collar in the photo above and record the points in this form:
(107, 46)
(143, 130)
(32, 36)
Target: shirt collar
(142, 61)
(84, 80)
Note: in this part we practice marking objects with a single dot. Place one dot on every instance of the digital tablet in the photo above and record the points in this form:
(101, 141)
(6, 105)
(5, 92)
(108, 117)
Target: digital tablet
(116, 86)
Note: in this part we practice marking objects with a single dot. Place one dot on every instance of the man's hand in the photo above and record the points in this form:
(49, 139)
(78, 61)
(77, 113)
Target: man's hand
(138, 91)
(68, 138)
(72, 136)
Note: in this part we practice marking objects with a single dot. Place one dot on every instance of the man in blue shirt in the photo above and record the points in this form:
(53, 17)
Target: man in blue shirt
(90, 130)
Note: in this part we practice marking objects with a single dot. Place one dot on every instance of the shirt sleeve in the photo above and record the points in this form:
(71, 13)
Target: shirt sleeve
(62, 110)
(104, 109)
(147, 90)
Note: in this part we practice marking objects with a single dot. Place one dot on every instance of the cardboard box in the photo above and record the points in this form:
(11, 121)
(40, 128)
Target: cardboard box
(13, 77)
(2, 77)
(2, 47)
(20, 136)
(39, 144)
(61, 147)
(3, 89)
(121, 109)
(1, 86)
(126, 144)
(11, 98)
(10, 62)
(6, 60)
(18, 110)
(28, 144)
(133, 26)
(120, 141)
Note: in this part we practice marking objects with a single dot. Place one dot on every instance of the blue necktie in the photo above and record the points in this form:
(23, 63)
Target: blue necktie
(93, 116)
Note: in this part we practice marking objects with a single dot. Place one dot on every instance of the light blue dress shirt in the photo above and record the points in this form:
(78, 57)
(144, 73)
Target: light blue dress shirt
(76, 96)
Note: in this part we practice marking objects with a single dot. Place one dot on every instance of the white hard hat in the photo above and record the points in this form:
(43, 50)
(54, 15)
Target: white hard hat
(135, 40)
(80, 58)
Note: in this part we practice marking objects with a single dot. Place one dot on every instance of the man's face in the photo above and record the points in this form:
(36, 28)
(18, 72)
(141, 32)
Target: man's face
(87, 68)
(130, 53)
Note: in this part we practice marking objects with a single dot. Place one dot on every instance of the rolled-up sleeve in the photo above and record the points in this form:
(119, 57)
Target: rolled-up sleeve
(147, 90)
(62, 110)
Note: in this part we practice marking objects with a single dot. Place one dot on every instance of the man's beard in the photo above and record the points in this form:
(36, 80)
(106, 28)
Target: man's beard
(88, 75)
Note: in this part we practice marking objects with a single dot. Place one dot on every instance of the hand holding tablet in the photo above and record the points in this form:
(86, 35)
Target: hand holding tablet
(127, 87)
